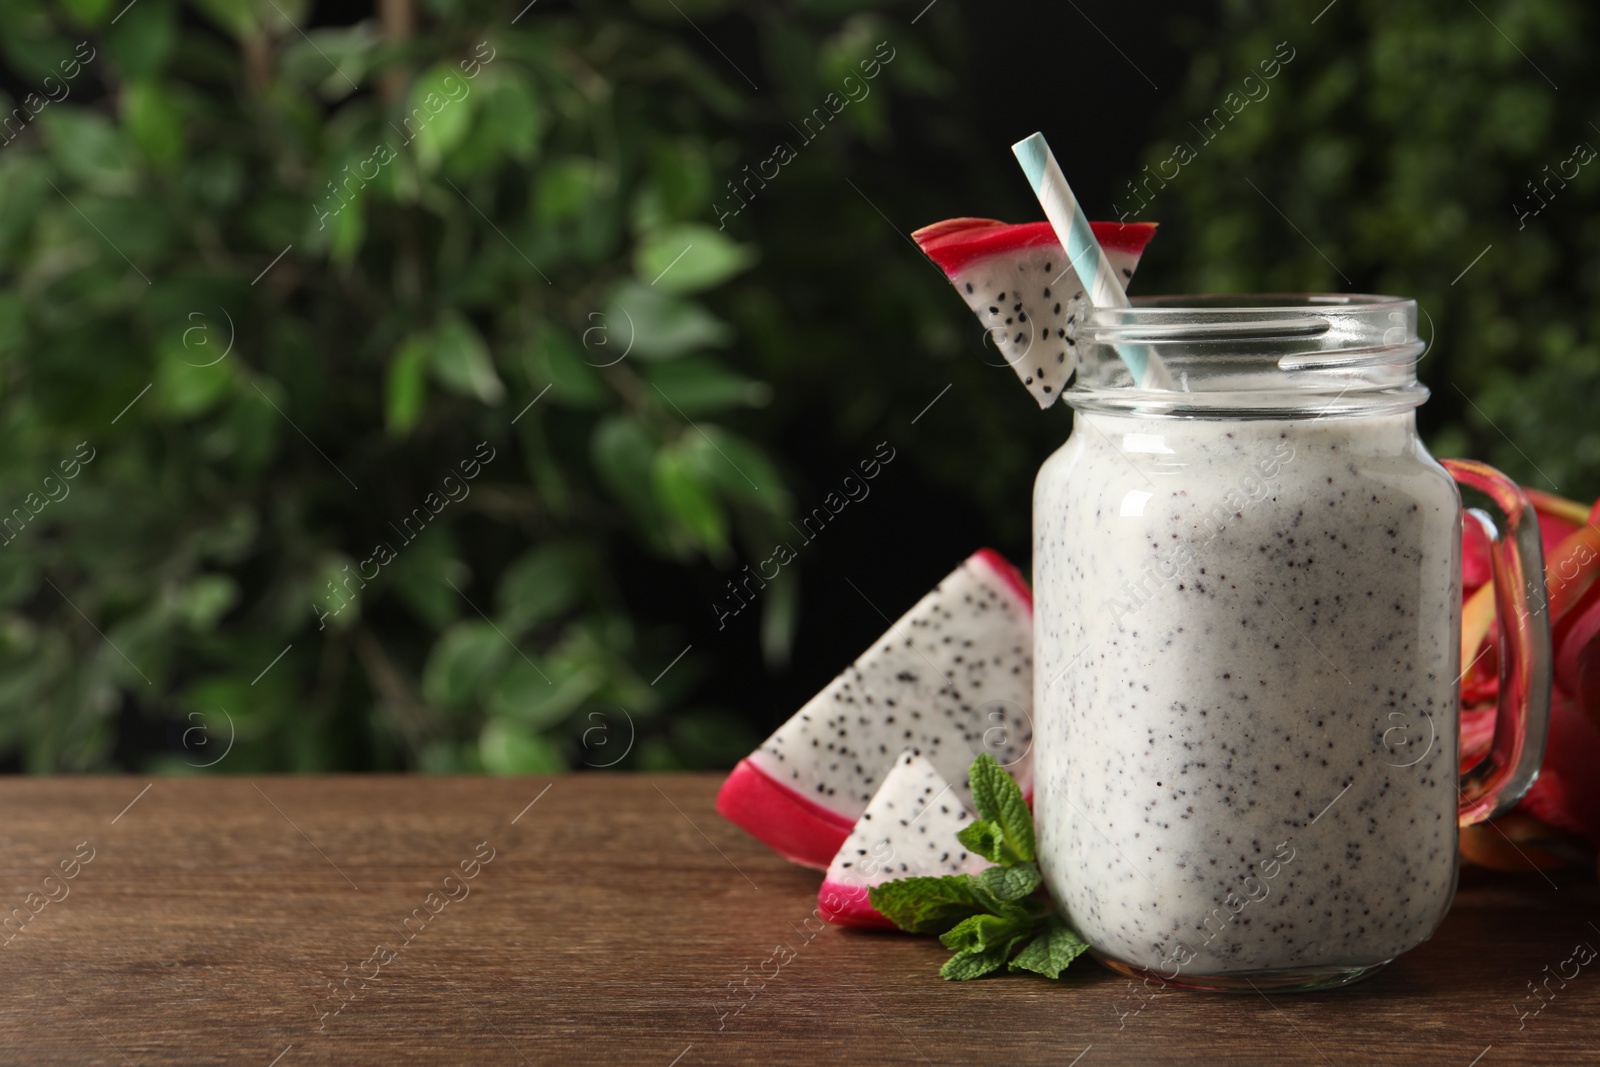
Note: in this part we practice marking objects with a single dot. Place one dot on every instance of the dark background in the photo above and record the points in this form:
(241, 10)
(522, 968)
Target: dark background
(915, 531)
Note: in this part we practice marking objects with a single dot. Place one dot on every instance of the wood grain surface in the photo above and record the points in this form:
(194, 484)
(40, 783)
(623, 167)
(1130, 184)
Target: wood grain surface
(619, 920)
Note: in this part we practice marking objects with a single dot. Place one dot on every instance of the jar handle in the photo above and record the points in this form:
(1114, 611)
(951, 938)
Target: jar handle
(1493, 785)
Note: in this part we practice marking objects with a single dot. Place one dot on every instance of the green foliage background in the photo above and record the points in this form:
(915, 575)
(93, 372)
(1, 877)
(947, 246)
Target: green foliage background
(528, 236)
(559, 214)
(1402, 140)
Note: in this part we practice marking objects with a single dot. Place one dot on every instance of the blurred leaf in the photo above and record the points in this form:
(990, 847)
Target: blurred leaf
(215, 180)
(689, 257)
(406, 384)
(447, 757)
(424, 566)
(334, 591)
(465, 660)
(141, 47)
(346, 232)
(27, 182)
(154, 122)
(624, 456)
(571, 373)
(206, 599)
(567, 187)
(649, 324)
(89, 149)
(238, 17)
(461, 361)
(539, 699)
(87, 12)
(679, 186)
(249, 708)
(186, 388)
(736, 466)
(780, 618)
(507, 123)
(509, 748)
(512, 112)
(686, 496)
(540, 586)
(851, 62)
(439, 114)
(333, 60)
(701, 385)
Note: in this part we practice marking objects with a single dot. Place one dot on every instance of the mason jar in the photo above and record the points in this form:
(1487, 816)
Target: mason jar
(1247, 586)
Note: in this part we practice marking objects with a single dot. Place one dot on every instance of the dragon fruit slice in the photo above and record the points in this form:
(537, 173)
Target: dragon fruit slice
(908, 831)
(1016, 279)
(951, 678)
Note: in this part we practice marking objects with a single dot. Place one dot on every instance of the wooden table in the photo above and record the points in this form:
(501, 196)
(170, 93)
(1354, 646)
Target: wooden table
(618, 919)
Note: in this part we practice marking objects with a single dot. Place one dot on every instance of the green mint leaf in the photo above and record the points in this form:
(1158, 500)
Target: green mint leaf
(1022, 911)
(1010, 883)
(983, 932)
(999, 800)
(927, 905)
(985, 838)
(985, 796)
(973, 963)
(1051, 950)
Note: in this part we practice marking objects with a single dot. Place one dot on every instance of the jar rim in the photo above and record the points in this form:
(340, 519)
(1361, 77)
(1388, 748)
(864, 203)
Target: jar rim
(1173, 303)
(1232, 353)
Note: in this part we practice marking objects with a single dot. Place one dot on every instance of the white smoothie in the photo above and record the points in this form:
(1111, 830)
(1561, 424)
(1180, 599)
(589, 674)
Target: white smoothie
(1246, 696)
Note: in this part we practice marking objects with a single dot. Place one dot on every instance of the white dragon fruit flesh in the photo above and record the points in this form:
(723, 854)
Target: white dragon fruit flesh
(908, 831)
(952, 678)
(1016, 279)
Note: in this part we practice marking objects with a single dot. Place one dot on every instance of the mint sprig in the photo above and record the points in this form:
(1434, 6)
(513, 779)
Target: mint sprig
(1010, 883)
(1000, 917)
(1051, 949)
(1000, 804)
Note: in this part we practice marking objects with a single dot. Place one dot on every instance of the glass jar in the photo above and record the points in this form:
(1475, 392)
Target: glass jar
(1247, 590)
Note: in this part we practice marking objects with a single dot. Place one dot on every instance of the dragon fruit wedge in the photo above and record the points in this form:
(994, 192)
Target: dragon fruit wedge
(951, 678)
(908, 831)
(1016, 279)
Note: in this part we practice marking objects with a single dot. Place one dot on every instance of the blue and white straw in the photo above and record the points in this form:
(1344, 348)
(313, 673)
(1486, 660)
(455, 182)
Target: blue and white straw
(1088, 259)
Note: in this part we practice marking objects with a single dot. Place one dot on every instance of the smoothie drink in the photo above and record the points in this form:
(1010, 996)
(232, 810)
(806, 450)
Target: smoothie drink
(1247, 603)
(1247, 706)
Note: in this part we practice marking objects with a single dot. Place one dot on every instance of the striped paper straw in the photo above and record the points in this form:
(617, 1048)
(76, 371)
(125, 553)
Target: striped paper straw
(1088, 259)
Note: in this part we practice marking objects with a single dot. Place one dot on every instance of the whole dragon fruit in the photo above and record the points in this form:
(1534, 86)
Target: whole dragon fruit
(1558, 821)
